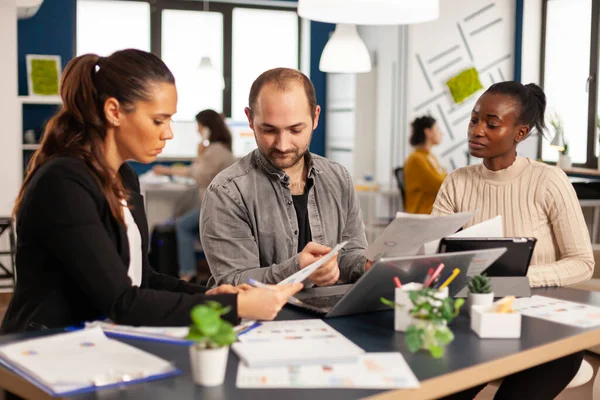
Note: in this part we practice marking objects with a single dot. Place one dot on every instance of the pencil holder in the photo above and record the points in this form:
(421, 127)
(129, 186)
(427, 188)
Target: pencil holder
(402, 317)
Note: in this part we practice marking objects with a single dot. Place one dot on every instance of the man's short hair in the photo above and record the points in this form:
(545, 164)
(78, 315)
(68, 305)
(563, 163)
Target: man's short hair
(283, 79)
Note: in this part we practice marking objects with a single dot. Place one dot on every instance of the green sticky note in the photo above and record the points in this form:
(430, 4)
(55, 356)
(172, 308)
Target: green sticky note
(464, 85)
(44, 77)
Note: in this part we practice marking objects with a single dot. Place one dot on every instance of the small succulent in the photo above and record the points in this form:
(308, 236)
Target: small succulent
(480, 284)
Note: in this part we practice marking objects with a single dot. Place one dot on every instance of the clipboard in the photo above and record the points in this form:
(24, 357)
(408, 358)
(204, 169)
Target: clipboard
(90, 361)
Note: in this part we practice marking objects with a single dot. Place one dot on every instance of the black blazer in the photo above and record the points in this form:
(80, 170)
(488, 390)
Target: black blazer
(73, 256)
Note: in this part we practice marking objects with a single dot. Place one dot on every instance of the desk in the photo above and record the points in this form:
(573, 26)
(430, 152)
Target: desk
(469, 361)
(160, 200)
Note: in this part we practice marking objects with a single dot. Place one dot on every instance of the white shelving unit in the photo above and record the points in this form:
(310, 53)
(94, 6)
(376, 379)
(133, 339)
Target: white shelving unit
(37, 100)
(40, 100)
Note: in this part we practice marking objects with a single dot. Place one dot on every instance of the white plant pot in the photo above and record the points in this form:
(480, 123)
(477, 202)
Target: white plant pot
(479, 299)
(208, 365)
(564, 161)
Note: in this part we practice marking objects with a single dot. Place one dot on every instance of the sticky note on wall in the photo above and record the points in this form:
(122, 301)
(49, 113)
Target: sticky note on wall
(464, 85)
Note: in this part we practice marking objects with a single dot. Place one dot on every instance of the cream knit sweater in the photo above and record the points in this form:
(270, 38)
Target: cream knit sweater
(534, 200)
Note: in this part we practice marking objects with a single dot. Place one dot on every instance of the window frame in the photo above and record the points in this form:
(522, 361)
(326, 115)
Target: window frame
(592, 83)
(220, 6)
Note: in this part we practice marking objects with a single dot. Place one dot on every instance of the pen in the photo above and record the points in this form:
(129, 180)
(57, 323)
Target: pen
(450, 278)
(397, 282)
(435, 274)
(246, 327)
(291, 300)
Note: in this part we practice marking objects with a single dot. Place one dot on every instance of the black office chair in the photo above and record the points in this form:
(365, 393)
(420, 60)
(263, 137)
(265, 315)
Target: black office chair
(399, 173)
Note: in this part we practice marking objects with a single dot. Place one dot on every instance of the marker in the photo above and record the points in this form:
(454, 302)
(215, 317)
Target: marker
(397, 282)
(428, 275)
(450, 278)
(291, 300)
(435, 274)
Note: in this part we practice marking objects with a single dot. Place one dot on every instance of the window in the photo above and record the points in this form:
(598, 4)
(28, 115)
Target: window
(569, 67)
(256, 49)
(129, 26)
(214, 49)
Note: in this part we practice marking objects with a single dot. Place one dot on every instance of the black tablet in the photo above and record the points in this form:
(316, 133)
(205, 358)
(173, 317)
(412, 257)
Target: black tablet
(515, 262)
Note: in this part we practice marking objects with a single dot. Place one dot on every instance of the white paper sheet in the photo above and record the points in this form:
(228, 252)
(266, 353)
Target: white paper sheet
(559, 311)
(304, 273)
(490, 228)
(372, 371)
(282, 343)
(174, 333)
(407, 233)
(75, 360)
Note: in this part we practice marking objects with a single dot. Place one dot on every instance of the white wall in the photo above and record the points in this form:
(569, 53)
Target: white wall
(469, 33)
(11, 135)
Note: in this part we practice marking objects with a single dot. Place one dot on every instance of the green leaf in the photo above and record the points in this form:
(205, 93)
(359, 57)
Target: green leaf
(457, 305)
(436, 351)
(446, 310)
(194, 334)
(413, 338)
(206, 318)
(225, 336)
(444, 335)
(390, 303)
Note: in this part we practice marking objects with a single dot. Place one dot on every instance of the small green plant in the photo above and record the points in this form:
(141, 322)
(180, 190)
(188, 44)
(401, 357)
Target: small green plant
(208, 330)
(480, 284)
(432, 316)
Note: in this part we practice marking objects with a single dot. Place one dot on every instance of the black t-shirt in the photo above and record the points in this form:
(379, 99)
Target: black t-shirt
(301, 206)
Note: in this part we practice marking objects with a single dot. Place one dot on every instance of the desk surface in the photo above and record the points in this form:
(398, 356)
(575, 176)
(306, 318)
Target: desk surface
(468, 361)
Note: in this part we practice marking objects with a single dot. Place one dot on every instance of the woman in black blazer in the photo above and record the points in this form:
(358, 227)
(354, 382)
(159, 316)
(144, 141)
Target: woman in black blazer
(77, 257)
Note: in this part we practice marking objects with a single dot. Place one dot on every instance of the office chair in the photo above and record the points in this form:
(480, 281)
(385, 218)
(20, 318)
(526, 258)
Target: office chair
(399, 174)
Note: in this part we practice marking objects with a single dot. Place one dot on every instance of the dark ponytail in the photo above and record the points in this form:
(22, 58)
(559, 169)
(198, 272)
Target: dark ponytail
(532, 102)
(78, 129)
(418, 126)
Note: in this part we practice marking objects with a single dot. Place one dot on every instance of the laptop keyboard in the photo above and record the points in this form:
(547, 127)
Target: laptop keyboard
(324, 301)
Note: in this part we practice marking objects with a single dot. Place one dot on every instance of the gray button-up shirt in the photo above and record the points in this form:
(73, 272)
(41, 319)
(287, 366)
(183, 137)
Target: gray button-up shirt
(249, 227)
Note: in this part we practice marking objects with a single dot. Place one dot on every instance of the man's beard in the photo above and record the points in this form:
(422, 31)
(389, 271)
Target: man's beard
(290, 159)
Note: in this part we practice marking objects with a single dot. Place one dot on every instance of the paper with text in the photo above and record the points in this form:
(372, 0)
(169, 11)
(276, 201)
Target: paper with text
(281, 343)
(490, 228)
(304, 273)
(407, 233)
(559, 311)
(372, 371)
(72, 361)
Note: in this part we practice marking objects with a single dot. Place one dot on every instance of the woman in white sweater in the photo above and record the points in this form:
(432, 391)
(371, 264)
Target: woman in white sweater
(534, 200)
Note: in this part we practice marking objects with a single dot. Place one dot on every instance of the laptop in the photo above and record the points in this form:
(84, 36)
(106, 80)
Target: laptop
(364, 296)
(509, 273)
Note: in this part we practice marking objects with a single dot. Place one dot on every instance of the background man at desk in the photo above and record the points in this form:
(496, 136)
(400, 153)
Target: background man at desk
(276, 210)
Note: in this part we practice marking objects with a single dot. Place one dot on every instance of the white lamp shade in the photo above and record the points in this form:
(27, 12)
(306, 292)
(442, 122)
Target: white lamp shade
(369, 12)
(345, 52)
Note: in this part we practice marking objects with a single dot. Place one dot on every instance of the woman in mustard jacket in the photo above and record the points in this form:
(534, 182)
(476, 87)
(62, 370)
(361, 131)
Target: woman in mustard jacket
(423, 173)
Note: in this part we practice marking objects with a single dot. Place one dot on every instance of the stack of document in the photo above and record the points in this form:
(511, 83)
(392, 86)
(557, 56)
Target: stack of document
(80, 361)
(302, 342)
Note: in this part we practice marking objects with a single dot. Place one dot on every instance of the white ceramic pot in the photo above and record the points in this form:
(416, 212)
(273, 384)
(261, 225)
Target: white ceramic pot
(479, 299)
(208, 365)
(564, 161)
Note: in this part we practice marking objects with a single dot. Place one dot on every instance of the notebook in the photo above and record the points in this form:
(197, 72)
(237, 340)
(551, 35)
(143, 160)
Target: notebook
(81, 361)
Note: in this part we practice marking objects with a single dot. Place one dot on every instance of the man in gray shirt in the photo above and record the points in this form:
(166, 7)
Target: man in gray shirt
(280, 208)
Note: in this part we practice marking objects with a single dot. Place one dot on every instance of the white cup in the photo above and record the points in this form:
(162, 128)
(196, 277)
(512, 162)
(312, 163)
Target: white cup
(402, 317)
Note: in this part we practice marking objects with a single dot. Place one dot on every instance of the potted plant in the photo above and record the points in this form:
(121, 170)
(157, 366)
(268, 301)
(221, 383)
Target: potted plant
(480, 292)
(212, 337)
(431, 314)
